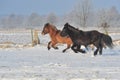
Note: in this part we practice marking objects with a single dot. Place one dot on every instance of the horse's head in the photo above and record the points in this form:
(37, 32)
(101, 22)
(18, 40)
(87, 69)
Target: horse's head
(46, 29)
(49, 28)
(64, 30)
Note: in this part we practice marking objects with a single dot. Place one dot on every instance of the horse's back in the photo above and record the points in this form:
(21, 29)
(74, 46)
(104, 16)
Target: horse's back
(58, 31)
(92, 33)
(61, 39)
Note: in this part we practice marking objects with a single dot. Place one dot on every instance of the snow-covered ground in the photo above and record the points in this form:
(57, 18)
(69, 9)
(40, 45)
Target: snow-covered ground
(38, 63)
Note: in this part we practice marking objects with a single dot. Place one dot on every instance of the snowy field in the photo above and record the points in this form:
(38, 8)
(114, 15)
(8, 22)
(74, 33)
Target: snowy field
(37, 63)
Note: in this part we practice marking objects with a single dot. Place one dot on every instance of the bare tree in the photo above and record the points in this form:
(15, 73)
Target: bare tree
(105, 27)
(113, 16)
(109, 16)
(102, 17)
(52, 18)
(82, 12)
(12, 21)
(34, 20)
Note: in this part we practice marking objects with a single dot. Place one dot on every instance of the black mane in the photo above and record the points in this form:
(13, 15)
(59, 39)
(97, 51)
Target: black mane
(73, 28)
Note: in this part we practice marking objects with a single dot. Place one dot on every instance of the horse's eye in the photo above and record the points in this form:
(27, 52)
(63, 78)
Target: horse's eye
(45, 29)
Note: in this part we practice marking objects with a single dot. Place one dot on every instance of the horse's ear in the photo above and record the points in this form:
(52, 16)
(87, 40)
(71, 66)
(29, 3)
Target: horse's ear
(67, 24)
(47, 24)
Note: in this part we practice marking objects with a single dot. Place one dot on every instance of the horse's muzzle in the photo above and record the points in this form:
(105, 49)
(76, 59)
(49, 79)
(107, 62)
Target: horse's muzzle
(43, 33)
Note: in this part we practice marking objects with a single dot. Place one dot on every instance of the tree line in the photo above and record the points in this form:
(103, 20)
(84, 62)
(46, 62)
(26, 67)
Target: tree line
(83, 15)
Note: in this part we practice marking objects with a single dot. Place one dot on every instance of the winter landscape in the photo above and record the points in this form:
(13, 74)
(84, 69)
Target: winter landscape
(21, 24)
(39, 63)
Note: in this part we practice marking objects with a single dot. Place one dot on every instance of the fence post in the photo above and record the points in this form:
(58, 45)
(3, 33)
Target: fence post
(32, 37)
(35, 38)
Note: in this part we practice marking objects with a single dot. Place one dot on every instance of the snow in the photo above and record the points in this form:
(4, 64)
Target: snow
(15, 36)
(39, 63)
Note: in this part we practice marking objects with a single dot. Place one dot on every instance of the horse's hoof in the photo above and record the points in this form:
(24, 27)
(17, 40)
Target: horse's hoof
(83, 51)
(48, 48)
(95, 54)
(63, 51)
(55, 47)
(76, 51)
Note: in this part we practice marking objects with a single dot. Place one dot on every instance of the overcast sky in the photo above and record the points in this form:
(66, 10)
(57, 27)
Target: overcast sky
(43, 7)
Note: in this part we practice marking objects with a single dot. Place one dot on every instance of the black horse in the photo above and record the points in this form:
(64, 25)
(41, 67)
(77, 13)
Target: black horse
(85, 38)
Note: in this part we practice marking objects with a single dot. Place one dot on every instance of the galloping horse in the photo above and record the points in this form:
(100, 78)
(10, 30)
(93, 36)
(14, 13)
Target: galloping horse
(85, 38)
(55, 37)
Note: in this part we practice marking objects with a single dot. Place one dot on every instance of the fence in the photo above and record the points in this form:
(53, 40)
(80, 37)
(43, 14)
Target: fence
(21, 37)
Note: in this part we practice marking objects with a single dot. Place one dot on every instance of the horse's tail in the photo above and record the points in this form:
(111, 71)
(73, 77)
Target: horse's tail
(107, 40)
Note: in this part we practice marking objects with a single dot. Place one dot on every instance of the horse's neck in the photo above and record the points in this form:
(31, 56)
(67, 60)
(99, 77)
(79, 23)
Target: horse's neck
(81, 32)
(71, 29)
(52, 33)
(77, 30)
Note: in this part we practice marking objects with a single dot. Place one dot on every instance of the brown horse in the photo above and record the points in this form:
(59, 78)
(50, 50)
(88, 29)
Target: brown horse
(56, 37)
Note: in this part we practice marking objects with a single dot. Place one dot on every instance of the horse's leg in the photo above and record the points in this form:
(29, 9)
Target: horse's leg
(68, 46)
(86, 46)
(95, 53)
(53, 45)
(101, 47)
(97, 44)
(73, 48)
(80, 50)
(49, 45)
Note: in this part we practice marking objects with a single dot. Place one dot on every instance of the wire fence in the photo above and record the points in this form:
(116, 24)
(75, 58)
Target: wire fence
(15, 36)
(19, 37)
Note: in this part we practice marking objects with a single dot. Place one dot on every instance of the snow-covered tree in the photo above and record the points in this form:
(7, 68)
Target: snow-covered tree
(52, 18)
(34, 20)
(82, 12)
(110, 16)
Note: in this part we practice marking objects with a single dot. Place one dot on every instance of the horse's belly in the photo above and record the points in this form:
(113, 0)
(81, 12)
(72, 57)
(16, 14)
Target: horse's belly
(83, 42)
(64, 40)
